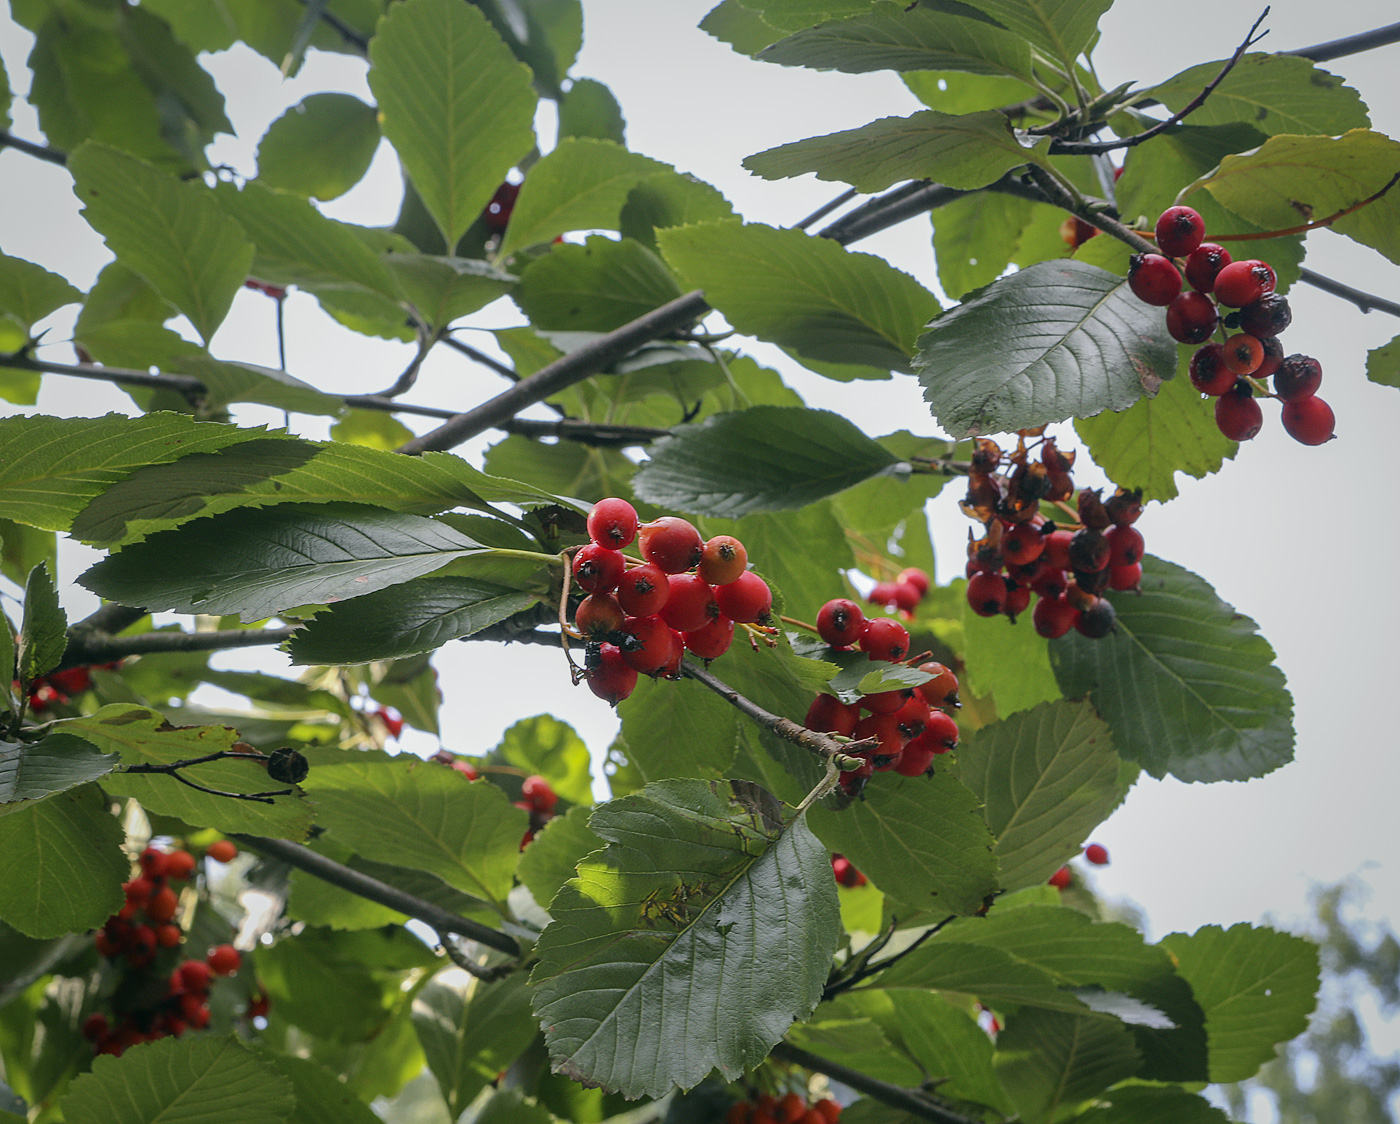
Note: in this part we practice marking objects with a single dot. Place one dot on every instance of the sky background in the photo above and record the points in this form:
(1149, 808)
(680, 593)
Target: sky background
(1303, 540)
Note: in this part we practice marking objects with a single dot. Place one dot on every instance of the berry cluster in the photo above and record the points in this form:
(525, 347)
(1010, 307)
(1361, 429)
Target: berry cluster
(455, 763)
(539, 799)
(1021, 552)
(58, 687)
(1095, 853)
(685, 594)
(1232, 370)
(902, 594)
(846, 874)
(136, 935)
(790, 1108)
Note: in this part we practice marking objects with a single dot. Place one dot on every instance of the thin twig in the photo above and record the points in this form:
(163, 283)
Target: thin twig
(879, 966)
(352, 37)
(1366, 302)
(192, 388)
(481, 357)
(347, 878)
(826, 209)
(172, 769)
(911, 1101)
(1097, 148)
(449, 948)
(405, 381)
(29, 148)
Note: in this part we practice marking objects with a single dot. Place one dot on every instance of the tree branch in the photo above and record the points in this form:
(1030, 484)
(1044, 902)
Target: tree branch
(1364, 301)
(442, 920)
(480, 357)
(826, 209)
(911, 1101)
(194, 391)
(1351, 45)
(172, 769)
(406, 380)
(29, 148)
(90, 646)
(351, 37)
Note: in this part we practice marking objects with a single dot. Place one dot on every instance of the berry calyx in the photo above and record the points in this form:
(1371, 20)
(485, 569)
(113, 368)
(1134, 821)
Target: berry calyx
(885, 639)
(612, 523)
(1237, 414)
(746, 600)
(1309, 420)
(722, 560)
(1153, 279)
(840, 622)
(1204, 264)
(1179, 231)
(671, 543)
(598, 569)
(1298, 376)
(1191, 318)
(643, 590)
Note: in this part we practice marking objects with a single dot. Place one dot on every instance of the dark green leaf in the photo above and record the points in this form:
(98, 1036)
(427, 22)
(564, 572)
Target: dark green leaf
(1145, 1104)
(321, 147)
(55, 763)
(173, 234)
(657, 709)
(29, 292)
(1010, 662)
(553, 856)
(661, 201)
(741, 27)
(191, 105)
(1054, 341)
(768, 458)
(456, 105)
(1050, 1062)
(595, 287)
(42, 635)
(750, 928)
(442, 290)
(552, 749)
(791, 15)
(1062, 28)
(509, 1106)
(256, 563)
(404, 620)
(322, 1098)
(589, 109)
(803, 292)
(1202, 662)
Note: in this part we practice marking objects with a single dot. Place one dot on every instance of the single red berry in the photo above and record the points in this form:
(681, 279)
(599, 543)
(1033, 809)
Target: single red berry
(1057, 549)
(830, 1110)
(829, 715)
(1153, 279)
(1098, 620)
(691, 603)
(942, 689)
(611, 679)
(915, 577)
(672, 543)
(224, 960)
(1243, 353)
(199, 1017)
(1273, 357)
(1122, 578)
(179, 865)
(643, 590)
(194, 976)
(918, 755)
(139, 890)
(599, 615)
(1209, 374)
(722, 560)
(1022, 544)
(912, 716)
(538, 793)
(1074, 232)
(1309, 420)
(1179, 231)
(1053, 617)
(739, 1113)
(466, 768)
(94, 1026)
(885, 639)
(162, 904)
(791, 1106)
(222, 851)
(1191, 318)
(1298, 376)
(882, 702)
(654, 647)
(885, 730)
(1060, 879)
(1268, 316)
(906, 596)
(942, 730)
(497, 212)
(712, 641)
(1204, 265)
(1097, 854)
(152, 862)
(258, 1007)
(840, 622)
(71, 680)
(598, 569)
(1237, 414)
(986, 594)
(1124, 507)
(746, 600)
(1018, 599)
(1050, 582)
(1125, 545)
(1244, 282)
(612, 523)
(881, 593)
(167, 936)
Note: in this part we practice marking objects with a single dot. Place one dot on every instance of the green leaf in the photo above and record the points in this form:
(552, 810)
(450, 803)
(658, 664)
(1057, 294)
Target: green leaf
(768, 458)
(589, 109)
(1257, 987)
(1202, 663)
(657, 709)
(173, 234)
(321, 147)
(456, 105)
(6, 97)
(1062, 28)
(853, 1027)
(595, 287)
(415, 813)
(662, 201)
(1053, 341)
(444, 289)
(509, 1106)
(195, 1080)
(55, 763)
(191, 105)
(975, 238)
(552, 749)
(953, 92)
(1145, 1104)
(1010, 662)
(322, 1098)
(1146, 445)
(741, 27)
(1049, 1061)
(790, 15)
(1047, 777)
(553, 856)
(893, 36)
(64, 864)
(143, 737)
(921, 840)
(405, 620)
(43, 634)
(749, 928)
(1272, 93)
(965, 151)
(580, 185)
(471, 1031)
(29, 292)
(1383, 363)
(256, 563)
(803, 292)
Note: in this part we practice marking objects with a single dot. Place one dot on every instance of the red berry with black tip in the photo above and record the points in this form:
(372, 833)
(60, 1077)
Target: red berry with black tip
(1309, 420)
(986, 594)
(712, 641)
(609, 677)
(1237, 414)
(1244, 282)
(885, 639)
(599, 615)
(598, 569)
(1268, 316)
(1209, 374)
(1298, 376)
(643, 590)
(942, 731)
(612, 523)
(1191, 318)
(942, 689)
(1018, 600)
(918, 755)
(1125, 545)
(746, 600)
(1153, 279)
(1089, 550)
(1053, 617)
(653, 647)
(1179, 231)
(1204, 265)
(1123, 578)
(840, 622)
(671, 543)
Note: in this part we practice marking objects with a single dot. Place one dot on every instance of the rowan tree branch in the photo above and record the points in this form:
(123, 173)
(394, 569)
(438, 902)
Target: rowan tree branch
(91, 646)
(1350, 45)
(1366, 302)
(29, 148)
(826, 209)
(192, 388)
(911, 1101)
(480, 357)
(347, 878)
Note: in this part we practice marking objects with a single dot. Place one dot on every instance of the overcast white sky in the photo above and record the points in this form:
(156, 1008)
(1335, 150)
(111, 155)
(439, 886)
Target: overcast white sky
(1303, 540)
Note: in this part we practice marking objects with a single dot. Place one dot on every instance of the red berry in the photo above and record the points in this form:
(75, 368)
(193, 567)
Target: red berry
(1237, 414)
(167, 936)
(1057, 549)
(830, 1110)
(466, 768)
(722, 560)
(918, 755)
(1179, 231)
(224, 960)
(1309, 420)
(942, 689)
(746, 600)
(791, 1106)
(1298, 376)
(162, 904)
(199, 1016)
(392, 721)
(1053, 617)
(152, 862)
(942, 731)
(1244, 282)
(655, 643)
(538, 794)
(829, 715)
(1074, 232)
(611, 679)
(258, 1007)
(1097, 854)
(712, 641)
(598, 615)
(94, 1026)
(915, 577)
(1125, 545)
(643, 590)
(691, 604)
(194, 976)
(1018, 599)
(139, 890)
(1089, 551)
(222, 851)
(885, 639)
(1267, 316)
(1242, 354)
(1121, 578)
(906, 596)
(179, 865)
(598, 569)
(1191, 318)
(1096, 621)
(882, 593)
(840, 622)
(885, 730)
(1209, 374)
(1273, 357)
(1153, 279)
(1204, 265)
(882, 702)
(612, 523)
(912, 716)
(986, 594)
(1022, 544)
(1050, 582)
(1060, 879)
(497, 212)
(671, 543)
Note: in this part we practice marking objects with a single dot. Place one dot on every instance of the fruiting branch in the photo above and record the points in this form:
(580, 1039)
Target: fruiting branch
(172, 769)
(89, 646)
(911, 1101)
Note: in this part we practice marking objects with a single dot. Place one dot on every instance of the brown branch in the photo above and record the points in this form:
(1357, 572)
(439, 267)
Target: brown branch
(911, 1101)
(347, 878)
(1366, 302)
(1314, 224)
(826, 209)
(29, 148)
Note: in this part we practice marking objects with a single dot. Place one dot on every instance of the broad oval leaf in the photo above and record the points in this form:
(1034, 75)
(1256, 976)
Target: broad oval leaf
(256, 563)
(1056, 340)
(1203, 662)
(29, 292)
(596, 287)
(321, 147)
(768, 458)
(1062, 28)
(55, 763)
(43, 635)
(690, 943)
(454, 102)
(553, 856)
(1147, 1104)
(1050, 1061)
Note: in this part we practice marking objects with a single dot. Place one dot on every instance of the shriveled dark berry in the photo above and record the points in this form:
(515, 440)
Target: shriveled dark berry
(1267, 316)
(1098, 620)
(1298, 376)
(1089, 550)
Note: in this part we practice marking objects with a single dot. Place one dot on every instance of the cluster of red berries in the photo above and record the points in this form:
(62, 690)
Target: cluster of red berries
(1232, 370)
(539, 799)
(902, 594)
(58, 687)
(455, 763)
(136, 934)
(644, 617)
(1021, 552)
(1095, 853)
(790, 1108)
(846, 874)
